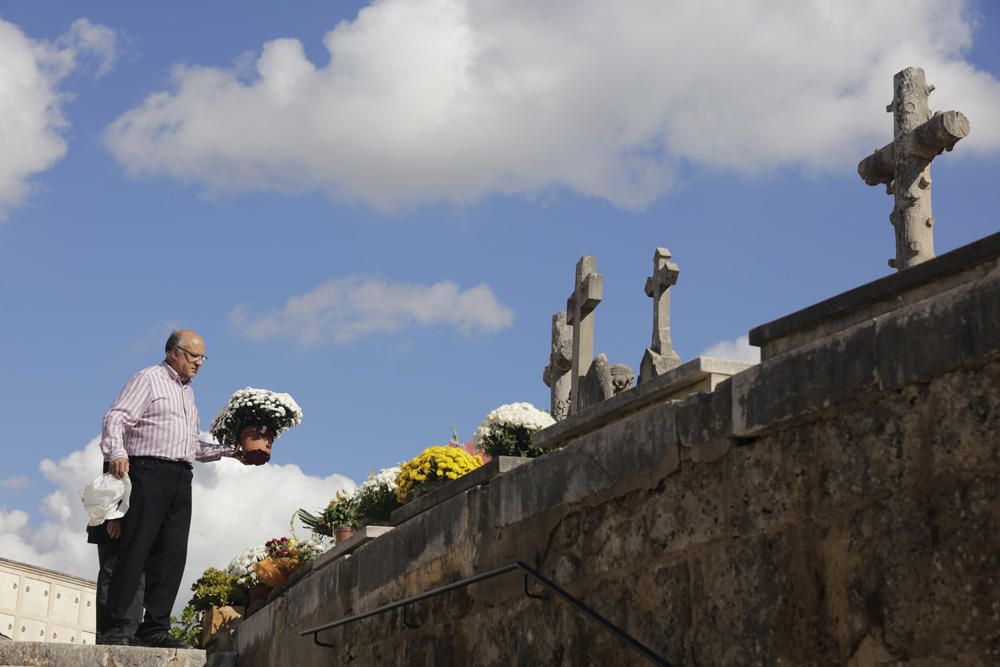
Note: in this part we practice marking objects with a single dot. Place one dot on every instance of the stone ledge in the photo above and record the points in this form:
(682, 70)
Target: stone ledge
(953, 329)
(361, 536)
(477, 477)
(878, 297)
(637, 450)
(668, 386)
(37, 654)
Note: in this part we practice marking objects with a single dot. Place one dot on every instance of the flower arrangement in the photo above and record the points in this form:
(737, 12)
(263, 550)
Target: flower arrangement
(342, 511)
(271, 411)
(376, 497)
(432, 467)
(241, 567)
(279, 547)
(371, 502)
(507, 430)
(282, 557)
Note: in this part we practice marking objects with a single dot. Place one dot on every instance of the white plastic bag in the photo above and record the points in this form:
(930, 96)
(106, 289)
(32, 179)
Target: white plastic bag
(106, 498)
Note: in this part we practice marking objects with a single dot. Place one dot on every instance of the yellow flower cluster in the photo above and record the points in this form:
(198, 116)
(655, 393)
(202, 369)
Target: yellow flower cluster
(434, 463)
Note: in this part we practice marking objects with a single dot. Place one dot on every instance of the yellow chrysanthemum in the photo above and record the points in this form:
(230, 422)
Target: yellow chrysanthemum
(438, 462)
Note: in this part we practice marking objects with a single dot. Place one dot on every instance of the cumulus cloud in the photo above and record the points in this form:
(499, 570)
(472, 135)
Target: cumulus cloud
(14, 482)
(346, 309)
(737, 350)
(425, 100)
(31, 116)
(236, 507)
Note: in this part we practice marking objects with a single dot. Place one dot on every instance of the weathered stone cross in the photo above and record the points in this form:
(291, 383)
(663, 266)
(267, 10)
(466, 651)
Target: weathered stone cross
(660, 356)
(587, 293)
(556, 375)
(904, 165)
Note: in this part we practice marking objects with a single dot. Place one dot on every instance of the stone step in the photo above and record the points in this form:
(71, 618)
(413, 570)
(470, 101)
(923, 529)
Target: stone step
(38, 654)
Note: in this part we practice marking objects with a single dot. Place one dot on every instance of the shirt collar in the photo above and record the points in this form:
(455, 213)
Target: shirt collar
(173, 374)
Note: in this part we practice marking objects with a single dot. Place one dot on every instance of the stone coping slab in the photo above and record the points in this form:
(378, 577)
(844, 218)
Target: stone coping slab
(360, 536)
(925, 279)
(18, 566)
(51, 654)
(481, 475)
(637, 398)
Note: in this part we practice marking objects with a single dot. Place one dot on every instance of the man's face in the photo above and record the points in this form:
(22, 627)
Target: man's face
(187, 357)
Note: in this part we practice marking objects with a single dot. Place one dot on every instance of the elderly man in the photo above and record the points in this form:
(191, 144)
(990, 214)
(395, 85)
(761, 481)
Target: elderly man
(151, 434)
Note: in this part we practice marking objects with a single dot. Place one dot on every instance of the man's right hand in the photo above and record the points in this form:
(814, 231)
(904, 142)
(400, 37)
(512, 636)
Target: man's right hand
(119, 468)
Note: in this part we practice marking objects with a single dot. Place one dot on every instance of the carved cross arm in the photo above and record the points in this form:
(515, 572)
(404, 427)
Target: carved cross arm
(666, 276)
(590, 293)
(938, 134)
(879, 167)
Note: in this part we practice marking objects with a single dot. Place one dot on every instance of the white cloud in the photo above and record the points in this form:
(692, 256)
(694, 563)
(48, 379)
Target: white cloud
(736, 350)
(14, 482)
(236, 507)
(346, 309)
(426, 100)
(31, 117)
(92, 41)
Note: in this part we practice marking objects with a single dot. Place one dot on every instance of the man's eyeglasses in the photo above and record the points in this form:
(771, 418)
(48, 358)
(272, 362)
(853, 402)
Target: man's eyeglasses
(192, 356)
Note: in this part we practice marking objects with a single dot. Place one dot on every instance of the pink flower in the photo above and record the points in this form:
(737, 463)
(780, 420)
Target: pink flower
(469, 449)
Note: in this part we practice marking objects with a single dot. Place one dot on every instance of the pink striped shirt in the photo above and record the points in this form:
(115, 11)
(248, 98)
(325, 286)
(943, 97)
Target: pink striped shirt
(155, 415)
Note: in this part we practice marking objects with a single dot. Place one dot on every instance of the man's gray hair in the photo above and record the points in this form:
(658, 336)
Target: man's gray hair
(173, 340)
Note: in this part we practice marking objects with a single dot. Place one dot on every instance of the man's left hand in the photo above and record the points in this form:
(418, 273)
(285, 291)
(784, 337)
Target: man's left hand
(241, 456)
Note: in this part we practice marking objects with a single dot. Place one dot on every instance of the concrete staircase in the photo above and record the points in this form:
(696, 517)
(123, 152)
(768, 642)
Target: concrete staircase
(37, 654)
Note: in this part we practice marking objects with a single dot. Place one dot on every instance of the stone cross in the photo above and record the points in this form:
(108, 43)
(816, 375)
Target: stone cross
(904, 165)
(587, 293)
(660, 356)
(556, 375)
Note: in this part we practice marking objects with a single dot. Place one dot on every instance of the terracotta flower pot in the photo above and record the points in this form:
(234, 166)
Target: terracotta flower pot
(256, 445)
(341, 533)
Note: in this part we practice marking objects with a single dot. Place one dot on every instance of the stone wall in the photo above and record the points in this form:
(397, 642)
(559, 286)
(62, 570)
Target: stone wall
(837, 504)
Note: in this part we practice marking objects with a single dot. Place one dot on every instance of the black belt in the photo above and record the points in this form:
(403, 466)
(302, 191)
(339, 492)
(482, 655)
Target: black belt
(158, 459)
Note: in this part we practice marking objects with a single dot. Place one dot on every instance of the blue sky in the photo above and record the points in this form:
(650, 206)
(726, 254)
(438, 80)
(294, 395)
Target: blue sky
(290, 182)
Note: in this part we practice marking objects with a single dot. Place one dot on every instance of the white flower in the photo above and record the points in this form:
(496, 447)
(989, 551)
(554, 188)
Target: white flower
(513, 414)
(243, 564)
(277, 411)
(386, 478)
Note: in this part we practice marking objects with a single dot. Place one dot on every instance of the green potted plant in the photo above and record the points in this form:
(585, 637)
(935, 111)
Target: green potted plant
(339, 519)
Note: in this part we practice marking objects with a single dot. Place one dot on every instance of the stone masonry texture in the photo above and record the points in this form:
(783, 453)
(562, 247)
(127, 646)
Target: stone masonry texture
(856, 527)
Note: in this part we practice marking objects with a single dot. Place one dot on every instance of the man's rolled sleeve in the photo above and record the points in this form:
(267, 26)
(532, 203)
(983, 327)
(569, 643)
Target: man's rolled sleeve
(209, 451)
(124, 413)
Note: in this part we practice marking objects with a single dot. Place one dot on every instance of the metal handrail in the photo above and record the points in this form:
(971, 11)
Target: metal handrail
(528, 571)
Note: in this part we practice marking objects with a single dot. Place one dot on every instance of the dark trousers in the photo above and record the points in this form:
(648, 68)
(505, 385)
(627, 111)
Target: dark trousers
(153, 543)
(107, 556)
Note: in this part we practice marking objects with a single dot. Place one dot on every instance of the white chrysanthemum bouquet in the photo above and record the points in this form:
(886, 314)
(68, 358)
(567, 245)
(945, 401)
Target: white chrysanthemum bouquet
(253, 418)
(507, 430)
